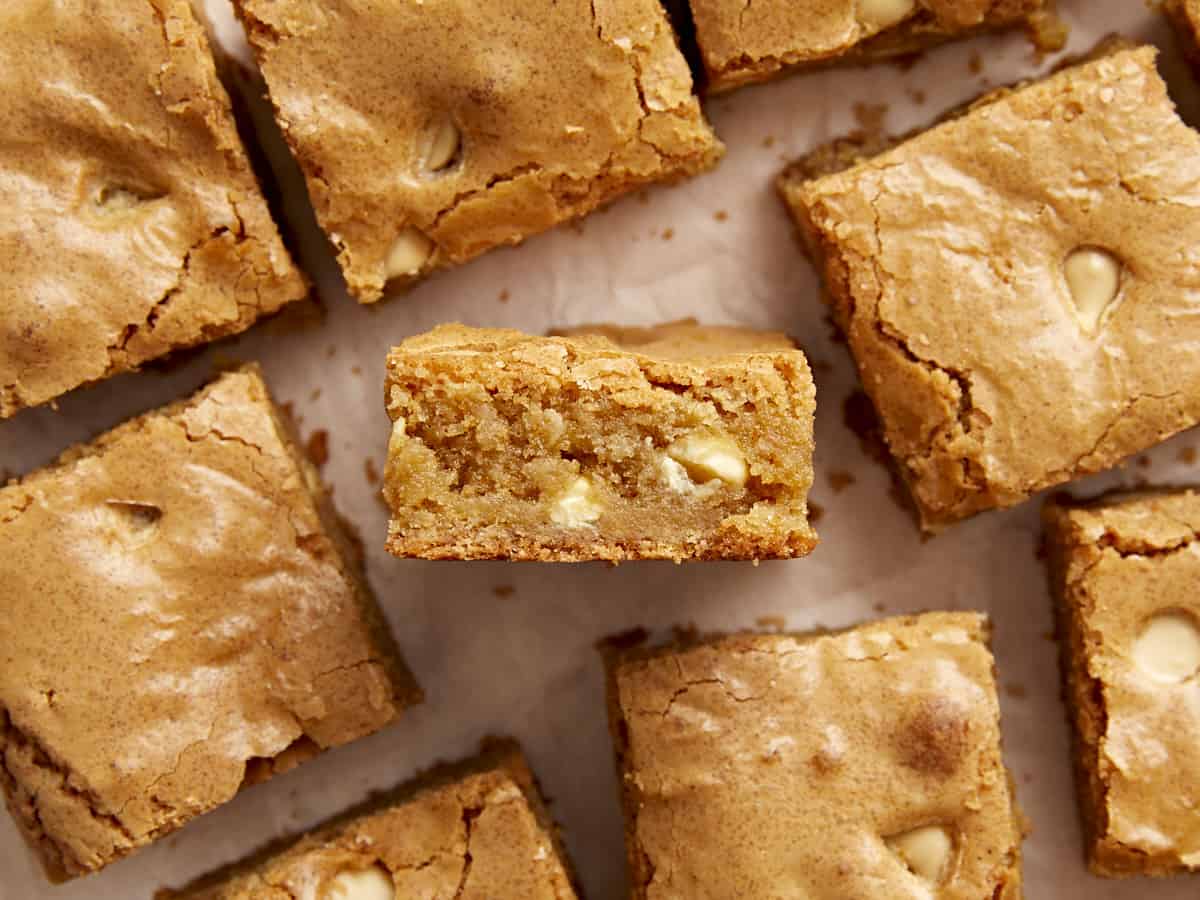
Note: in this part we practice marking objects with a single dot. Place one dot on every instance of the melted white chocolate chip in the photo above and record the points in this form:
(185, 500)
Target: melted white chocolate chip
(881, 14)
(365, 884)
(1168, 649)
(925, 850)
(577, 506)
(706, 456)
(442, 147)
(409, 253)
(1094, 279)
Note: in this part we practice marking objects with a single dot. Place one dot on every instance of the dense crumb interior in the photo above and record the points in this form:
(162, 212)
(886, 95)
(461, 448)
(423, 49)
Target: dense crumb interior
(491, 457)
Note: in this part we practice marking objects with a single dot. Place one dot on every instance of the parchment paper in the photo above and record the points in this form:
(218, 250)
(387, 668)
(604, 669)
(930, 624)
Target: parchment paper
(508, 649)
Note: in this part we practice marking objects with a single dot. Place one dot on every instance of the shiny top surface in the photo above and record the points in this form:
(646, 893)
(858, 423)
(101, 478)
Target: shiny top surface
(742, 41)
(947, 256)
(772, 765)
(133, 223)
(476, 838)
(173, 608)
(1128, 562)
(558, 106)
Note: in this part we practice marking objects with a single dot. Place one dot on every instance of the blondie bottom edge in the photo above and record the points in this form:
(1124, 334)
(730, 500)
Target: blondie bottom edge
(677, 442)
(477, 828)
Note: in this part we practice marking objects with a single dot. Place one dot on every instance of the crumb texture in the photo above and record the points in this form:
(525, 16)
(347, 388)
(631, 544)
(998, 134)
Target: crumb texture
(677, 442)
(1124, 571)
(134, 223)
(431, 133)
(998, 365)
(481, 836)
(182, 618)
(859, 764)
(743, 41)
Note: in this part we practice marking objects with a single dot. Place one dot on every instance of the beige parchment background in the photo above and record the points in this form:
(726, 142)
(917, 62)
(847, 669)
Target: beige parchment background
(508, 648)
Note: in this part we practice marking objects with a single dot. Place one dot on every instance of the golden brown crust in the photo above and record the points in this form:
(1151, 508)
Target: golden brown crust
(493, 431)
(962, 324)
(477, 829)
(558, 107)
(138, 179)
(752, 763)
(182, 599)
(1114, 564)
(742, 44)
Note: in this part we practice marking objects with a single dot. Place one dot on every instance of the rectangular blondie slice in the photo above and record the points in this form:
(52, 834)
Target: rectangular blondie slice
(862, 763)
(133, 223)
(1018, 284)
(478, 829)
(742, 42)
(183, 616)
(677, 442)
(432, 132)
(1125, 574)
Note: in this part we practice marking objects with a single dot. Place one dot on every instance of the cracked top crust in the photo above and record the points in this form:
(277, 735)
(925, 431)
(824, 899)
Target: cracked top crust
(183, 615)
(744, 41)
(557, 106)
(133, 224)
(945, 261)
(777, 765)
(1117, 564)
(483, 835)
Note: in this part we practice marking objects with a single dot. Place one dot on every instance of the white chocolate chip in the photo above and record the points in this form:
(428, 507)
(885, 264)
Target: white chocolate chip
(706, 456)
(408, 255)
(577, 506)
(365, 884)
(881, 14)
(1168, 649)
(399, 435)
(676, 476)
(1094, 279)
(442, 146)
(114, 200)
(925, 850)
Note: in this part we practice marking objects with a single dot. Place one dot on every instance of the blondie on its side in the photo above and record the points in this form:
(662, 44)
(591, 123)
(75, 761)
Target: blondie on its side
(1015, 284)
(742, 43)
(676, 442)
(1125, 574)
(864, 763)
(432, 132)
(133, 223)
(184, 616)
(474, 830)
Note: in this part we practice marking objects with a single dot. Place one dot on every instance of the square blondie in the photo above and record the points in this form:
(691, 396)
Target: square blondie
(741, 43)
(184, 616)
(1125, 575)
(1015, 283)
(432, 132)
(675, 442)
(133, 222)
(477, 829)
(862, 763)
